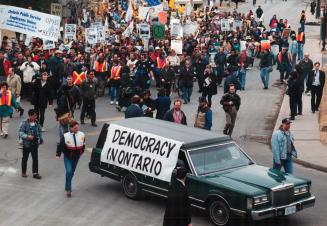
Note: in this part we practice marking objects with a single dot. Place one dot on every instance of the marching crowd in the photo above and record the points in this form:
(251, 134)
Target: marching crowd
(76, 76)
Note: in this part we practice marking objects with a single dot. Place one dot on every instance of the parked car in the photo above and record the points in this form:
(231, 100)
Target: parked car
(222, 179)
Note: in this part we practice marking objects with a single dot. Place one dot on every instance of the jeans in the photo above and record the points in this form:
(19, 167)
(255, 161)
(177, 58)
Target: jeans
(114, 93)
(287, 164)
(302, 26)
(264, 74)
(187, 92)
(300, 51)
(33, 149)
(70, 166)
(242, 76)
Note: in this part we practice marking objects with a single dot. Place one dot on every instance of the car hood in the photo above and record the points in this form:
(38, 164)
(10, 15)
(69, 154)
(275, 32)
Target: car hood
(252, 179)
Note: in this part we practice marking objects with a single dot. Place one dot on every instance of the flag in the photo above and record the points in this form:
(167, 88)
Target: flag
(124, 5)
(153, 2)
(129, 30)
(117, 17)
(129, 13)
(172, 4)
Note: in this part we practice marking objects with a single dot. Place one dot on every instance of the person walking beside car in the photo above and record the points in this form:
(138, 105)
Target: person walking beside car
(283, 148)
(231, 103)
(178, 208)
(31, 135)
(72, 145)
(176, 114)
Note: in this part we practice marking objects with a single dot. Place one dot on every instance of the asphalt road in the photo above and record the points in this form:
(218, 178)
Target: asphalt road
(100, 201)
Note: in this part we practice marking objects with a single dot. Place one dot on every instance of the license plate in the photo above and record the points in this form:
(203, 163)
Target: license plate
(290, 210)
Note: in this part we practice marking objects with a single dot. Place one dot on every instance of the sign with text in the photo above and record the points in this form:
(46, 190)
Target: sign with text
(140, 152)
(30, 22)
(48, 44)
(158, 31)
(177, 45)
(56, 9)
(70, 31)
(152, 10)
(224, 24)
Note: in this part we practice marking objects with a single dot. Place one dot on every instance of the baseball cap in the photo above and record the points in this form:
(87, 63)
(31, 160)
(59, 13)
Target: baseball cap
(286, 121)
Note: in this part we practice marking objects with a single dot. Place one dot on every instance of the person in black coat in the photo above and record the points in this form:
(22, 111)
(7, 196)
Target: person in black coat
(221, 63)
(294, 90)
(42, 95)
(148, 105)
(186, 81)
(162, 103)
(210, 84)
(178, 208)
(316, 84)
(176, 114)
(134, 109)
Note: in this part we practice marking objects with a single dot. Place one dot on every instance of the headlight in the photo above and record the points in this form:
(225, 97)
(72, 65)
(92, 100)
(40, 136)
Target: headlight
(298, 190)
(260, 199)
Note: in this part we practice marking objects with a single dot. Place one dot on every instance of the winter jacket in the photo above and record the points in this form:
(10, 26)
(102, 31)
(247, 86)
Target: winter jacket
(15, 84)
(279, 145)
(29, 70)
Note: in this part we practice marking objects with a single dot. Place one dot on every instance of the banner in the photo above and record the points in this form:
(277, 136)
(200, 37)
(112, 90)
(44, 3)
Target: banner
(70, 31)
(224, 24)
(48, 44)
(158, 31)
(177, 45)
(56, 9)
(30, 22)
(153, 11)
(140, 152)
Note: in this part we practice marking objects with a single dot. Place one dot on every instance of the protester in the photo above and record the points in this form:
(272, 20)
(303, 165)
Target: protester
(210, 84)
(29, 69)
(134, 110)
(176, 114)
(300, 38)
(162, 103)
(72, 145)
(306, 65)
(31, 135)
(101, 72)
(266, 62)
(178, 208)
(221, 63)
(115, 74)
(148, 104)
(167, 78)
(186, 81)
(316, 84)
(293, 90)
(282, 145)
(231, 103)
(15, 84)
(88, 91)
(284, 64)
(42, 96)
(4, 66)
(302, 20)
(203, 117)
(293, 51)
(7, 103)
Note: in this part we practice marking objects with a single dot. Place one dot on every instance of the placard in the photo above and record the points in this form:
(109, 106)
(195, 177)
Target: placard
(140, 152)
(275, 49)
(56, 9)
(70, 31)
(143, 30)
(91, 35)
(158, 31)
(175, 28)
(224, 24)
(242, 45)
(48, 44)
(189, 28)
(101, 34)
(30, 22)
(153, 11)
(177, 45)
(237, 23)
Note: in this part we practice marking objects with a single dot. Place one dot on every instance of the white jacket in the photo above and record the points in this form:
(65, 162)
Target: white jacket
(28, 71)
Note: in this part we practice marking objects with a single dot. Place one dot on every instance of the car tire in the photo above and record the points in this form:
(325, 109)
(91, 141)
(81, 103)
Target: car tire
(219, 213)
(130, 186)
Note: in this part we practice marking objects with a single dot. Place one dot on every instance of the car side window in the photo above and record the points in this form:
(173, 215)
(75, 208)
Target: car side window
(103, 136)
(182, 161)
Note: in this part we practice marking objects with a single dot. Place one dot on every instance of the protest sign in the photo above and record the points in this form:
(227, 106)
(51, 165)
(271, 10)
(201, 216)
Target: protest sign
(224, 24)
(237, 23)
(30, 22)
(96, 24)
(189, 28)
(48, 44)
(158, 31)
(144, 31)
(56, 9)
(275, 49)
(265, 44)
(177, 45)
(70, 31)
(162, 17)
(152, 10)
(91, 35)
(242, 45)
(101, 34)
(140, 152)
(175, 28)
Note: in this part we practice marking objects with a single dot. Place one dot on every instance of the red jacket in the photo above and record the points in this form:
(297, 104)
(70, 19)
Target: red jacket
(6, 66)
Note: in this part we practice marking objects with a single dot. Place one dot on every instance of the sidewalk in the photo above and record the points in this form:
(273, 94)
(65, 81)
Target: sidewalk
(311, 152)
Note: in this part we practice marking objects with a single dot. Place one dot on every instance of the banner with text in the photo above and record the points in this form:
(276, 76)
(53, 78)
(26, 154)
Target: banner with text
(140, 152)
(30, 22)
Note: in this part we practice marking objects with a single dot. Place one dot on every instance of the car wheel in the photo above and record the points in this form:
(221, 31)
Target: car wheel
(219, 212)
(130, 186)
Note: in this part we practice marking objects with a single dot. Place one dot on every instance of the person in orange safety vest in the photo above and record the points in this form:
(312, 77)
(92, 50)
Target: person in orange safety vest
(300, 38)
(115, 72)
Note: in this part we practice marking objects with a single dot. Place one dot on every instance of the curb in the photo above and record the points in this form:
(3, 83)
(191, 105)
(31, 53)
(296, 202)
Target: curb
(310, 165)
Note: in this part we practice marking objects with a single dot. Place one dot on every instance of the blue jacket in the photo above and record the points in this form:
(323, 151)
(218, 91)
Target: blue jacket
(133, 111)
(279, 145)
(208, 123)
(162, 104)
(26, 130)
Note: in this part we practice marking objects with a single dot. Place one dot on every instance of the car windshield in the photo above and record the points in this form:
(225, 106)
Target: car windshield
(218, 158)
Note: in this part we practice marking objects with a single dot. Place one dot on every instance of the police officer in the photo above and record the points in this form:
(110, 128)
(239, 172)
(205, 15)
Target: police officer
(72, 144)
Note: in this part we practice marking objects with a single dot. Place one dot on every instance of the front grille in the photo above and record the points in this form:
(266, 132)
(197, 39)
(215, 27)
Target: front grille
(282, 196)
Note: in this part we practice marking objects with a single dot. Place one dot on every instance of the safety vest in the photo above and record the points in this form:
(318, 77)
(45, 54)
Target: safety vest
(115, 72)
(70, 143)
(100, 67)
(161, 63)
(5, 100)
(78, 78)
(280, 57)
(299, 37)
